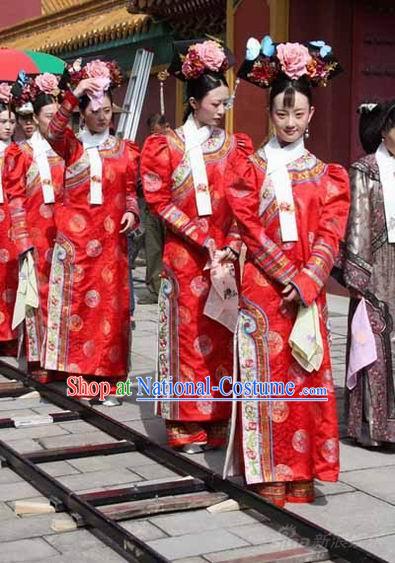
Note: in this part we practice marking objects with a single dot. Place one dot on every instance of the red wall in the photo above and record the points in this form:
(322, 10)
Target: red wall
(12, 12)
(331, 126)
(251, 20)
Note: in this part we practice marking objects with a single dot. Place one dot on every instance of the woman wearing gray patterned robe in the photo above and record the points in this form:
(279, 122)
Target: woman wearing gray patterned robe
(368, 264)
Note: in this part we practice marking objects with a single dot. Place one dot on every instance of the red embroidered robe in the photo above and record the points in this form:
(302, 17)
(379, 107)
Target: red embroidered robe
(88, 324)
(8, 265)
(285, 441)
(191, 346)
(33, 228)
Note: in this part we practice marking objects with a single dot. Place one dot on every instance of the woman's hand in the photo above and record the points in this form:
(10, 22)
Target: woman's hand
(225, 255)
(128, 219)
(86, 86)
(289, 294)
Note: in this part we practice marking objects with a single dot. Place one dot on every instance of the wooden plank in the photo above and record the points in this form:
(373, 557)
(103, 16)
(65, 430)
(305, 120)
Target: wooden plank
(59, 454)
(161, 505)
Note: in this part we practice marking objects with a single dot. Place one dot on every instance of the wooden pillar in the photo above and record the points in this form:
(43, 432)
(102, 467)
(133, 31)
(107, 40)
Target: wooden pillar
(179, 102)
(230, 75)
(279, 20)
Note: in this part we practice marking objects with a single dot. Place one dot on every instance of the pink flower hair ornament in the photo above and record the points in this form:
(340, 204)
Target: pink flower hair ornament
(76, 72)
(266, 62)
(5, 93)
(194, 58)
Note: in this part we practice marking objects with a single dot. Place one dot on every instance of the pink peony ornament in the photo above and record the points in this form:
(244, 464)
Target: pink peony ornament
(47, 83)
(211, 54)
(97, 69)
(5, 92)
(293, 58)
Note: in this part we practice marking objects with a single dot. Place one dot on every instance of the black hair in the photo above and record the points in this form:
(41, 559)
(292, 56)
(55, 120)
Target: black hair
(199, 87)
(156, 119)
(6, 107)
(43, 100)
(85, 100)
(289, 87)
(375, 122)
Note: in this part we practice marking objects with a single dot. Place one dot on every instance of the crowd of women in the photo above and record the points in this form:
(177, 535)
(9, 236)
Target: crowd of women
(67, 200)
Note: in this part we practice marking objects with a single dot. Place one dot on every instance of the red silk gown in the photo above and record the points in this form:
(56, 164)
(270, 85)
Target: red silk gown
(8, 266)
(281, 441)
(88, 324)
(34, 228)
(191, 346)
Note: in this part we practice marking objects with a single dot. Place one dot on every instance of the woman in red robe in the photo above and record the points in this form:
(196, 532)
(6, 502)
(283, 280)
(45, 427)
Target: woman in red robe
(34, 185)
(292, 210)
(88, 318)
(8, 254)
(192, 346)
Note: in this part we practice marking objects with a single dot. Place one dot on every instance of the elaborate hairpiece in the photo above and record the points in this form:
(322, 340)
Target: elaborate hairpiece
(267, 61)
(194, 58)
(27, 89)
(5, 93)
(366, 107)
(75, 72)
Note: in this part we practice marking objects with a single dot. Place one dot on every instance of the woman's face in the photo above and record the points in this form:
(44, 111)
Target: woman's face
(389, 140)
(290, 123)
(211, 109)
(7, 125)
(44, 117)
(27, 124)
(100, 120)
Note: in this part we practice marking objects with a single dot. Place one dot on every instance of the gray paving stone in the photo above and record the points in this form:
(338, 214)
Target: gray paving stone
(78, 540)
(196, 544)
(151, 472)
(23, 446)
(257, 534)
(378, 482)
(384, 547)
(353, 457)
(143, 529)
(324, 489)
(9, 476)
(47, 409)
(20, 412)
(6, 512)
(58, 468)
(80, 555)
(85, 439)
(354, 516)
(154, 428)
(27, 550)
(23, 528)
(19, 404)
(98, 479)
(200, 520)
(16, 491)
(268, 553)
(191, 560)
(33, 432)
(98, 463)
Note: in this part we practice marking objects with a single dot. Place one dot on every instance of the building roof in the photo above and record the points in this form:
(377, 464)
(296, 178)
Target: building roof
(77, 25)
(188, 17)
(53, 6)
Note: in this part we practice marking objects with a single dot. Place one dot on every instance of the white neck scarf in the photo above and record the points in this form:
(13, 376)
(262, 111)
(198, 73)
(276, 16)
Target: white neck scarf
(194, 139)
(386, 164)
(40, 148)
(277, 160)
(3, 146)
(91, 143)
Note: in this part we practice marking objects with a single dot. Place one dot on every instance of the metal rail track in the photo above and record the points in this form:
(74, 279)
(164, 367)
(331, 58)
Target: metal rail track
(83, 506)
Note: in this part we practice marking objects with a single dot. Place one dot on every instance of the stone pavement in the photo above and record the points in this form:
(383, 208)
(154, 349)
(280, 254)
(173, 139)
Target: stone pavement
(360, 507)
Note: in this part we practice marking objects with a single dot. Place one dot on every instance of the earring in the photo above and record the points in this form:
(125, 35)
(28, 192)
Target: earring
(307, 133)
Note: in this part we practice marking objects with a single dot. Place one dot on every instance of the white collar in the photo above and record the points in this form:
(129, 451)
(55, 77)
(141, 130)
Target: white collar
(3, 146)
(93, 140)
(277, 156)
